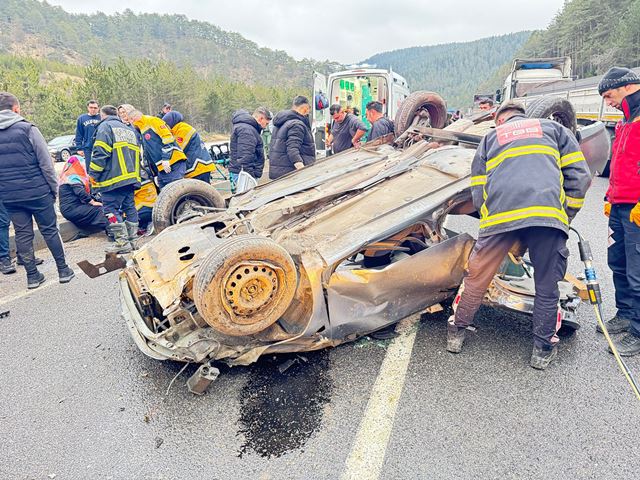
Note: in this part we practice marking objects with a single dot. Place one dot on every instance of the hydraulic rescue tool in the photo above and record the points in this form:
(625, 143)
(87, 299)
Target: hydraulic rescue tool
(595, 298)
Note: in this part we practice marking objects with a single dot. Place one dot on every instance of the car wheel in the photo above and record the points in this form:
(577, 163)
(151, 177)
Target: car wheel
(416, 104)
(244, 285)
(554, 108)
(64, 155)
(177, 200)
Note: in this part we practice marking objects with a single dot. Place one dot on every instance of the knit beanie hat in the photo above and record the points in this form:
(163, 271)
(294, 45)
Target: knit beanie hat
(617, 77)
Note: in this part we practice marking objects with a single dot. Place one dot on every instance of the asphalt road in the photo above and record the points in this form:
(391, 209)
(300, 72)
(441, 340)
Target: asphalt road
(79, 401)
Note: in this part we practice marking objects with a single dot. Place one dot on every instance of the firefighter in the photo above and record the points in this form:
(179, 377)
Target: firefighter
(529, 179)
(199, 162)
(161, 151)
(115, 174)
(620, 88)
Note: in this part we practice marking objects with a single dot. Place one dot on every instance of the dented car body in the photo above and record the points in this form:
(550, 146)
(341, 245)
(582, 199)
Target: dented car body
(314, 259)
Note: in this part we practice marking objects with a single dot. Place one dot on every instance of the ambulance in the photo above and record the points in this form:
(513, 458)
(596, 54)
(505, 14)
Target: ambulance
(354, 88)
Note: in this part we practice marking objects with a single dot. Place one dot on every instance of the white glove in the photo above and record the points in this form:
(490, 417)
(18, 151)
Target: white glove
(166, 166)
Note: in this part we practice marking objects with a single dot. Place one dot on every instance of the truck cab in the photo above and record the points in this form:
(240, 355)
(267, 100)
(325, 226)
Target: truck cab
(354, 88)
(529, 73)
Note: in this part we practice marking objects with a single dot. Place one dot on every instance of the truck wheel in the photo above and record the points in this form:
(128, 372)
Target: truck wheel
(554, 108)
(411, 107)
(244, 285)
(177, 200)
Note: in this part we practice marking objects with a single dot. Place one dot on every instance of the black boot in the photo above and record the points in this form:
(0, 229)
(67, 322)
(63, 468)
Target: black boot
(615, 325)
(34, 277)
(7, 266)
(628, 345)
(541, 358)
(65, 274)
(455, 336)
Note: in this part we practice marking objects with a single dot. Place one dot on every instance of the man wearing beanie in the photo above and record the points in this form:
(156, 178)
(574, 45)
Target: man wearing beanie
(620, 88)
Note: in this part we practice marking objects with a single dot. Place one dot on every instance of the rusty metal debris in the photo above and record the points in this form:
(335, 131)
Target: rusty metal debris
(202, 378)
(112, 262)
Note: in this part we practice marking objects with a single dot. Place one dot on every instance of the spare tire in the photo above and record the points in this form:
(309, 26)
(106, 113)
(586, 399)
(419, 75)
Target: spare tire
(176, 200)
(244, 285)
(432, 102)
(554, 108)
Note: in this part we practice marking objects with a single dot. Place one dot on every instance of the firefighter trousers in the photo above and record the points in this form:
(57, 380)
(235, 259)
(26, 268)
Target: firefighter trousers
(548, 254)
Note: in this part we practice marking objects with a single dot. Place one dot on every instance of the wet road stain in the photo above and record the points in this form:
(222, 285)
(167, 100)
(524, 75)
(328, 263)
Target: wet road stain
(282, 403)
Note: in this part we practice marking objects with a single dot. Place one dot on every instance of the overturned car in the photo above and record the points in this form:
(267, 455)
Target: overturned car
(325, 254)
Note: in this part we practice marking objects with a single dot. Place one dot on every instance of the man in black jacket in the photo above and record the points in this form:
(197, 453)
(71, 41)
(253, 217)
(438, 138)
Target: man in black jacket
(28, 189)
(292, 146)
(247, 149)
(115, 173)
(381, 126)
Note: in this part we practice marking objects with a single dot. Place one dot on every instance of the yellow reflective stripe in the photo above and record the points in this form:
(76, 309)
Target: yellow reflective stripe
(114, 180)
(96, 167)
(518, 151)
(570, 158)
(478, 180)
(130, 146)
(100, 143)
(529, 212)
(123, 164)
(483, 211)
(574, 202)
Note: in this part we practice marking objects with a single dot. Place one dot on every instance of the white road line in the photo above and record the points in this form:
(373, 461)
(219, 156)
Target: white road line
(24, 293)
(367, 454)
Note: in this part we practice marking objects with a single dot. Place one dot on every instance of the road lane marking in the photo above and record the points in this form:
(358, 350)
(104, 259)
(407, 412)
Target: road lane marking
(24, 293)
(368, 451)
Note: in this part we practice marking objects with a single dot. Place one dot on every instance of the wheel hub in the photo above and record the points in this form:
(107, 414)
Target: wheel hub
(250, 288)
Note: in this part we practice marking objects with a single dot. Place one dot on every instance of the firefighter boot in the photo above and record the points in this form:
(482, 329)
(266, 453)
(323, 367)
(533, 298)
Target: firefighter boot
(455, 336)
(132, 233)
(542, 357)
(121, 243)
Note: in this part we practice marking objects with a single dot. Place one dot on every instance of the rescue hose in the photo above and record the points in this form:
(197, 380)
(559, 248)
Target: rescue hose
(595, 298)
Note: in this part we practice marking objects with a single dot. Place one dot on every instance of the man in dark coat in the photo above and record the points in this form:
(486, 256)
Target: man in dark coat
(346, 131)
(247, 149)
(292, 146)
(28, 189)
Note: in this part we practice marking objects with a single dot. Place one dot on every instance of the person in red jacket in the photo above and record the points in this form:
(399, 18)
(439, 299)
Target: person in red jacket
(620, 88)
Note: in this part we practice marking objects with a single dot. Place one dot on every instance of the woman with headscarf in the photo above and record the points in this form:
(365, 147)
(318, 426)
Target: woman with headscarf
(76, 203)
(199, 162)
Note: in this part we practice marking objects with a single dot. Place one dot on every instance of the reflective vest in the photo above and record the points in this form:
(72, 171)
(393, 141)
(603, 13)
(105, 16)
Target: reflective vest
(115, 158)
(528, 172)
(198, 158)
(158, 142)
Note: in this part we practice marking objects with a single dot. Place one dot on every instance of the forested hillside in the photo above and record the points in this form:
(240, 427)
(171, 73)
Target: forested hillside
(596, 34)
(52, 94)
(36, 29)
(454, 70)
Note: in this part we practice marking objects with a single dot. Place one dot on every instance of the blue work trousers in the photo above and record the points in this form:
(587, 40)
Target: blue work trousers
(624, 261)
(120, 203)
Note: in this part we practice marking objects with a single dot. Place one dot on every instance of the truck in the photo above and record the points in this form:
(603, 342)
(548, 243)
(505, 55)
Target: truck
(354, 88)
(532, 79)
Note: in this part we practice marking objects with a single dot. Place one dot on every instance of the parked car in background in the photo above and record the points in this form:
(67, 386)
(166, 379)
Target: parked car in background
(61, 148)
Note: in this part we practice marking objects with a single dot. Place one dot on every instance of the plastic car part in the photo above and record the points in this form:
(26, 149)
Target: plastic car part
(244, 285)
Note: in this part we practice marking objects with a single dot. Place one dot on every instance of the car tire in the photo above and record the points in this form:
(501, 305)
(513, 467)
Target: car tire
(434, 103)
(244, 285)
(174, 201)
(554, 108)
(64, 155)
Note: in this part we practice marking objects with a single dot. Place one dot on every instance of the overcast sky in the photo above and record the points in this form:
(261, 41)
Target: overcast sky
(347, 31)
